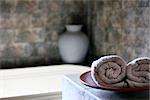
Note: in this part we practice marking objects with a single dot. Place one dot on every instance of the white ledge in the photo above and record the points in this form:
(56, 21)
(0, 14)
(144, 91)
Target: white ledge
(35, 80)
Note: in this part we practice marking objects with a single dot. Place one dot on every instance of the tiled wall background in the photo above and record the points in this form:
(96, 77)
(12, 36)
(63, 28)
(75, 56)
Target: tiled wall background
(30, 29)
(121, 27)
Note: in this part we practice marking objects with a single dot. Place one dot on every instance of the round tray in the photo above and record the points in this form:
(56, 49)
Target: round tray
(87, 80)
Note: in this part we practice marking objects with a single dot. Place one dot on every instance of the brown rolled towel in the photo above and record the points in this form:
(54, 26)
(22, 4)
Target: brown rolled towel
(110, 70)
(138, 72)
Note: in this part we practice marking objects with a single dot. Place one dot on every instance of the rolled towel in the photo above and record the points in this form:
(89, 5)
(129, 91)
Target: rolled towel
(138, 72)
(109, 70)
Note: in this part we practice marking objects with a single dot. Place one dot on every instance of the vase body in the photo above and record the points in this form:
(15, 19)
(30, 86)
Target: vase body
(73, 45)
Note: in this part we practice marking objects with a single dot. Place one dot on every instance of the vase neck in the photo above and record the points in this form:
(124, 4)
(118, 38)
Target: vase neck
(73, 28)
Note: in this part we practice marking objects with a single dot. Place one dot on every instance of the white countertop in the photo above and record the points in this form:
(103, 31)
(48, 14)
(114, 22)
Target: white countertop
(35, 80)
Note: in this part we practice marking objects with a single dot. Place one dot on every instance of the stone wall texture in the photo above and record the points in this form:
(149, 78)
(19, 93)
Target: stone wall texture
(30, 29)
(121, 27)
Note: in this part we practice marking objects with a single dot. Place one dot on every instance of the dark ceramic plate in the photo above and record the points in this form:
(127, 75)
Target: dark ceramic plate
(86, 79)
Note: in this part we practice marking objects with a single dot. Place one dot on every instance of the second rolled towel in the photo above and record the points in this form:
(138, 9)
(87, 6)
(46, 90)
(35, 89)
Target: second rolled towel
(138, 72)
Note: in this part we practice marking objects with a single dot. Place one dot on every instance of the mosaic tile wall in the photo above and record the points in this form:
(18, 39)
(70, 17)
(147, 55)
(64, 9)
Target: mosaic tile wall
(121, 27)
(29, 30)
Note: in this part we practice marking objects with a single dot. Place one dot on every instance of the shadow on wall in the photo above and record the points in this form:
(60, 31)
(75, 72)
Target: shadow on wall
(29, 29)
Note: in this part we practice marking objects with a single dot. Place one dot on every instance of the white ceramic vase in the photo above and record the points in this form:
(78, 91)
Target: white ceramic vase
(73, 44)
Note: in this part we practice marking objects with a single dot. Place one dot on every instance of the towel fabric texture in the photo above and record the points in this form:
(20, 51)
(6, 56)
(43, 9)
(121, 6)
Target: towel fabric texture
(115, 72)
(138, 72)
(109, 70)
